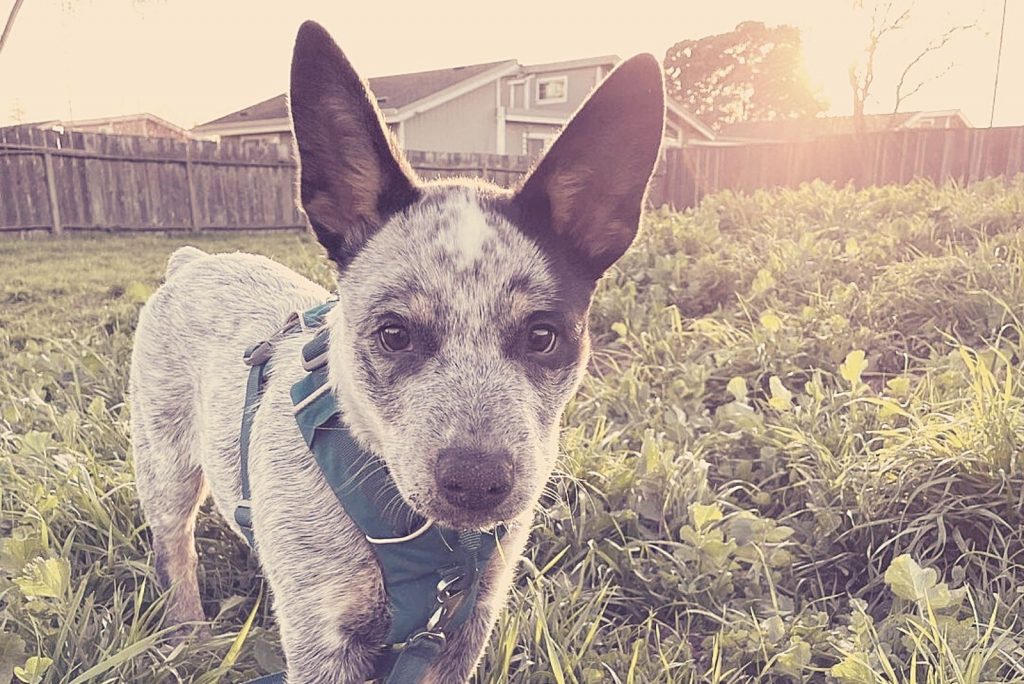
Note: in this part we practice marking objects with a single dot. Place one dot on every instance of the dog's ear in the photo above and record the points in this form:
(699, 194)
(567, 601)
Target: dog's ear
(352, 177)
(588, 191)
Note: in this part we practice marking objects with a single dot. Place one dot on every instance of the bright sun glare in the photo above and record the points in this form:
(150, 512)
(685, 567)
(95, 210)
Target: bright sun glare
(190, 61)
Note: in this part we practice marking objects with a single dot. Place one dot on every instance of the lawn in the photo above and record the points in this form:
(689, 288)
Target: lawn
(797, 457)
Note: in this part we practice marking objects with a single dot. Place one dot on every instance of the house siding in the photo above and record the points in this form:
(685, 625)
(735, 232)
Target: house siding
(517, 135)
(146, 128)
(466, 124)
(944, 121)
(264, 138)
(579, 82)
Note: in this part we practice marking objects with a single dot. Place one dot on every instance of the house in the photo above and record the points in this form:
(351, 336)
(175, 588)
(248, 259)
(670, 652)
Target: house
(145, 125)
(497, 107)
(785, 130)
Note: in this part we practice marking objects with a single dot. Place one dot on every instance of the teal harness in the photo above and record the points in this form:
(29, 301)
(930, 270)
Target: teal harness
(431, 574)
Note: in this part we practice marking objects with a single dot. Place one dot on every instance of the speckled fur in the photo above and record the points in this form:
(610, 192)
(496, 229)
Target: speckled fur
(462, 266)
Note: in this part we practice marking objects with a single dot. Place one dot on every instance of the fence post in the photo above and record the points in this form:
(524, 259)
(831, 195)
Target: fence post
(56, 227)
(193, 219)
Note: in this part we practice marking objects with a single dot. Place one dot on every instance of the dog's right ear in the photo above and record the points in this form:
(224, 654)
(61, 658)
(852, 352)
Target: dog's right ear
(352, 178)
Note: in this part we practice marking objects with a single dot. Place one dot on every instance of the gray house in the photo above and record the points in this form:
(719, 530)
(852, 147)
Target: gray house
(498, 107)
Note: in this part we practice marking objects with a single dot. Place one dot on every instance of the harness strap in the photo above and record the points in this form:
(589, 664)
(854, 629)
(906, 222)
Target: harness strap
(412, 661)
(256, 357)
(253, 390)
(431, 574)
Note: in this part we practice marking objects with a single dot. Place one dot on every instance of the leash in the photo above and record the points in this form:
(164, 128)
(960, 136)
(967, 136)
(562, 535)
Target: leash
(431, 573)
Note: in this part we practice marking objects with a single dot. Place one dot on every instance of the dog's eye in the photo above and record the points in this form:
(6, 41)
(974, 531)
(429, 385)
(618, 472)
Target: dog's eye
(394, 338)
(541, 339)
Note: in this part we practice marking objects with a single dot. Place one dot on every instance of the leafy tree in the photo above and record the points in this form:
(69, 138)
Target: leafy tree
(753, 73)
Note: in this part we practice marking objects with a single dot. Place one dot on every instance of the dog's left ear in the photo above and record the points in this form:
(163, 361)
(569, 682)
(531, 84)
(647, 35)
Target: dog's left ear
(352, 179)
(588, 190)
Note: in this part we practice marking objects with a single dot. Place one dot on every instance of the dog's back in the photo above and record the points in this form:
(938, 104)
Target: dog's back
(187, 367)
(187, 383)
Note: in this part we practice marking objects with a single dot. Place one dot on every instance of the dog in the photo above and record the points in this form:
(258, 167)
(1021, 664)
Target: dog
(459, 335)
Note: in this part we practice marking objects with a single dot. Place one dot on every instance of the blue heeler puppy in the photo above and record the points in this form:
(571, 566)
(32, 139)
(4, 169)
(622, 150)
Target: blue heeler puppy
(460, 334)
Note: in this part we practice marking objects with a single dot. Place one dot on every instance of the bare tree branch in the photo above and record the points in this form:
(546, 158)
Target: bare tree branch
(887, 18)
(881, 25)
(10, 23)
(933, 46)
(921, 84)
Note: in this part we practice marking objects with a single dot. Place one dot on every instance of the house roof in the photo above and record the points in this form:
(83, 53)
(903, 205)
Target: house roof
(49, 123)
(689, 117)
(603, 60)
(807, 128)
(392, 92)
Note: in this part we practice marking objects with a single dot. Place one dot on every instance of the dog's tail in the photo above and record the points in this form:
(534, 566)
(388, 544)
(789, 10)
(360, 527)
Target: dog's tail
(181, 258)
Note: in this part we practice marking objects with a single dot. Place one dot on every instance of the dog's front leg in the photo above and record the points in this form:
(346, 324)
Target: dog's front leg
(328, 597)
(466, 645)
(327, 588)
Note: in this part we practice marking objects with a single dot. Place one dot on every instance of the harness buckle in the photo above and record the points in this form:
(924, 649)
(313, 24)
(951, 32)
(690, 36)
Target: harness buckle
(259, 354)
(428, 635)
(243, 514)
(449, 600)
(449, 587)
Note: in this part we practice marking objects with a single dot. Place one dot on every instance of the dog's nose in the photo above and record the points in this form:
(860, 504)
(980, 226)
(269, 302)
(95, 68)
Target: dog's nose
(475, 480)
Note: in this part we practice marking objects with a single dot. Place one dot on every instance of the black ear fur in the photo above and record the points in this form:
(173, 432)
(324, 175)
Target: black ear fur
(588, 190)
(352, 176)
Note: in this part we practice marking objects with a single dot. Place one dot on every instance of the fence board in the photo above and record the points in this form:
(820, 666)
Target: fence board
(130, 183)
(962, 155)
(108, 182)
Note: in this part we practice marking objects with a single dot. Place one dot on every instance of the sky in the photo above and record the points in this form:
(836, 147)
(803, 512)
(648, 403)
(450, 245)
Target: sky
(190, 61)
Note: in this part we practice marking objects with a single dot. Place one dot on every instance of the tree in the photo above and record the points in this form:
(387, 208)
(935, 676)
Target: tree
(753, 73)
(889, 17)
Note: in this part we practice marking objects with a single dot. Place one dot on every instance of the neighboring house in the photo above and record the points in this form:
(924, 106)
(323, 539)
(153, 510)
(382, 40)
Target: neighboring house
(498, 107)
(145, 125)
(809, 128)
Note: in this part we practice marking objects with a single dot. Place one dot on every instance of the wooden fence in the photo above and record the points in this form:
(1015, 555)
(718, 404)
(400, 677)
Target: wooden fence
(894, 157)
(80, 181)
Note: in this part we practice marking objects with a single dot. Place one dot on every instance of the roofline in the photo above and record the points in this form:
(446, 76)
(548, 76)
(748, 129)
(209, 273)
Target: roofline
(277, 125)
(728, 142)
(108, 119)
(391, 115)
(911, 117)
(453, 91)
(538, 119)
(573, 63)
(689, 117)
(938, 112)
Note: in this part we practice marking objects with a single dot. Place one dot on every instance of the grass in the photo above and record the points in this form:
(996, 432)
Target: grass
(797, 458)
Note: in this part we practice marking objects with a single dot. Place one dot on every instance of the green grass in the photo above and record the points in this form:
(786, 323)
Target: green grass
(798, 457)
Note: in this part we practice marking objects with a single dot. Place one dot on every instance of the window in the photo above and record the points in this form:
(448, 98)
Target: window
(517, 95)
(534, 144)
(552, 89)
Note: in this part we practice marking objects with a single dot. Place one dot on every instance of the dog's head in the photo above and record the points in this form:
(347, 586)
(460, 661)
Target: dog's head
(461, 331)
